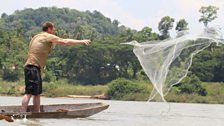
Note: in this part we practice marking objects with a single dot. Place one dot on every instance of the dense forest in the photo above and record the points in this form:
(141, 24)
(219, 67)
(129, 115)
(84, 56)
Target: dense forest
(105, 59)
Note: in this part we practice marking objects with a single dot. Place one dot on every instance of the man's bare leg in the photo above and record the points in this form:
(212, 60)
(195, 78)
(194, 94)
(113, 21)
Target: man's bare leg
(25, 102)
(36, 103)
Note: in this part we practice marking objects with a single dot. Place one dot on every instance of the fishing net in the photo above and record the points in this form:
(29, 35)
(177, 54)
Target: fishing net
(167, 62)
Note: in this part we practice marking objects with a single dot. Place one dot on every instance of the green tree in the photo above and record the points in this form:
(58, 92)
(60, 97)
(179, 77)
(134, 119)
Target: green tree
(192, 84)
(209, 14)
(145, 34)
(209, 67)
(121, 87)
(10, 74)
(181, 25)
(127, 35)
(165, 25)
(116, 22)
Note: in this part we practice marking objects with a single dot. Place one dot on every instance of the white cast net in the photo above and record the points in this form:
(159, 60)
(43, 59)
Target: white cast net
(167, 62)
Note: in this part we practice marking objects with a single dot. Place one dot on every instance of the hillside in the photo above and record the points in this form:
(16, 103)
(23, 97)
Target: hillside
(74, 22)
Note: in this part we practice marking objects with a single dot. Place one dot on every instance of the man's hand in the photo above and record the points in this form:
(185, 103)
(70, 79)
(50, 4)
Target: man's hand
(86, 42)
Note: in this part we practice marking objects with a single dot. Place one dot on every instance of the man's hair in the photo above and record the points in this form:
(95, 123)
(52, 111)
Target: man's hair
(47, 25)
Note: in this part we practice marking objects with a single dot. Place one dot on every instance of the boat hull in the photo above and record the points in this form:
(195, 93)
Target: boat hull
(56, 111)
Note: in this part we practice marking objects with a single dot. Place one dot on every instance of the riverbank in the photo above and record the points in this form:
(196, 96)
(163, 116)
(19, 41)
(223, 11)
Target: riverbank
(57, 89)
(215, 92)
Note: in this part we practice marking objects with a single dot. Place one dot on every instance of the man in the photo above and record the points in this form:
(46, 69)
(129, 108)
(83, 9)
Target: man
(39, 48)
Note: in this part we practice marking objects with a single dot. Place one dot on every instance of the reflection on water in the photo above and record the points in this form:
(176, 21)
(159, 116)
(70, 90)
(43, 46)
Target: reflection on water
(127, 113)
(28, 122)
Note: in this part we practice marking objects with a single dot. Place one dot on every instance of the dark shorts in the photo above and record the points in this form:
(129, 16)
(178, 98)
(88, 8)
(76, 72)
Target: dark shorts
(33, 80)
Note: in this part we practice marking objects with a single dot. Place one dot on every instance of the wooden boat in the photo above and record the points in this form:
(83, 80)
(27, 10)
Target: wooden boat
(80, 110)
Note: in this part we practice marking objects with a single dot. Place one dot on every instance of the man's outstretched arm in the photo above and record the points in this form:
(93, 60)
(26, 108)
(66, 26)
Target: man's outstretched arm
(71, 42)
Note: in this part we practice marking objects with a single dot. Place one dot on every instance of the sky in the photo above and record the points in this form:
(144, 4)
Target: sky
(134, 14)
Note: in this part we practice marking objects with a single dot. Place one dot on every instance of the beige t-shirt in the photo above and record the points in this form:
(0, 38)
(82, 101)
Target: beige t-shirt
(39, 48)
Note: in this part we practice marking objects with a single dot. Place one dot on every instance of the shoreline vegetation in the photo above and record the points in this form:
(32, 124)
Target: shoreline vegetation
(127, 90)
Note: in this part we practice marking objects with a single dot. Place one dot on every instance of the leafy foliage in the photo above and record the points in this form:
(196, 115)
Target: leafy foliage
(76, 23)
(209, 13)
(121, 87)
(10, 75)
(192, 84)
(165, 25)
(182, 25)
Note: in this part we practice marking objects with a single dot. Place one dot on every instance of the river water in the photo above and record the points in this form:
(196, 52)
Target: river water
(129, 113)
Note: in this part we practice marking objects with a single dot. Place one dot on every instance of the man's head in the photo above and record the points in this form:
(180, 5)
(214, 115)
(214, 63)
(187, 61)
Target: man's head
(48, 27)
